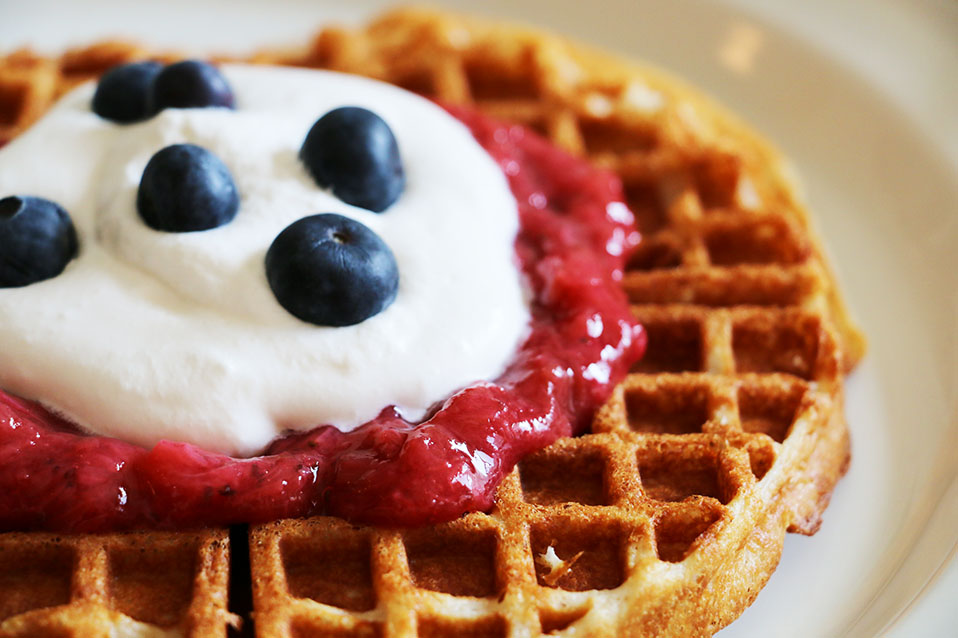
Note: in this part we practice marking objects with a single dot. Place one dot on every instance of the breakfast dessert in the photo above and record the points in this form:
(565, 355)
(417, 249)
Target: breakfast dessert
(665, 519)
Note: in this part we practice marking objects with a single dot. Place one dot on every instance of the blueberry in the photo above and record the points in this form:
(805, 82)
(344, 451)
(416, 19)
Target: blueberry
(37, 240)
(191, 83)
(331, 270)
(186, 188)
(354, 151)
(123, 93)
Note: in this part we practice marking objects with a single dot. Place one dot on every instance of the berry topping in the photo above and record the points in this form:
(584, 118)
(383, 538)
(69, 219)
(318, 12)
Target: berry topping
(37, 240)
(123, 93)
(354, 151)
(186, 188)
(191, 83)
(331, 270)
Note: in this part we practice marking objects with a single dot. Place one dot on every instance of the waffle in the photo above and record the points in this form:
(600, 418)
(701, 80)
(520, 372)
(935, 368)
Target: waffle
(163, 584)
(669, 516)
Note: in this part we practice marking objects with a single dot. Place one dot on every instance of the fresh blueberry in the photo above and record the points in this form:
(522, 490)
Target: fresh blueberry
(354, 151)
(191, 83)
(186, 188)
(123, 93)
(37, 240)
(331, 270)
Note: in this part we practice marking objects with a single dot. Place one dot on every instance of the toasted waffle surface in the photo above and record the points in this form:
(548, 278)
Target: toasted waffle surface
(668, 517)
(97, 586)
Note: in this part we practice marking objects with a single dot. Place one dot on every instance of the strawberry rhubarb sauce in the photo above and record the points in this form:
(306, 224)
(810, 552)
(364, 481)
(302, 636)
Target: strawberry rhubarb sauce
(574, 236)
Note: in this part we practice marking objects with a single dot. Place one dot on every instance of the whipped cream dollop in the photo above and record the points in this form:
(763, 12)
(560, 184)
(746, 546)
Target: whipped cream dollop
(150, 335)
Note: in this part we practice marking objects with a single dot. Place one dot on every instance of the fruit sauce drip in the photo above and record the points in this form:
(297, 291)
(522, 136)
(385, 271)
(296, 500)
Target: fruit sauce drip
(573, 241)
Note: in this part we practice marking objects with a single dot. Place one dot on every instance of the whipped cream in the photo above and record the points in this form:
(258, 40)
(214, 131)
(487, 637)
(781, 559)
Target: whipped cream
(150, 335)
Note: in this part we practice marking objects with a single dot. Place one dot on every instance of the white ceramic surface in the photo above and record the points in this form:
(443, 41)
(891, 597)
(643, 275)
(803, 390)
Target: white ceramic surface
(863, 97)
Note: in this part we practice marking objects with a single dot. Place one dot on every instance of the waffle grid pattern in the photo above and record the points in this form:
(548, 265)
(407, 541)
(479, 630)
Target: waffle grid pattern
(668, 518)
(97, 586)
(672, 482)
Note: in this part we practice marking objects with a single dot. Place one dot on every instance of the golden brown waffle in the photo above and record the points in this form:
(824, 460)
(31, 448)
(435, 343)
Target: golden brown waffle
(161, 584)
(669, 517)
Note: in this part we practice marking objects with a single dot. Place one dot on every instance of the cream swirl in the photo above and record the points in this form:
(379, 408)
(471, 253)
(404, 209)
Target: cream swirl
(150, 335)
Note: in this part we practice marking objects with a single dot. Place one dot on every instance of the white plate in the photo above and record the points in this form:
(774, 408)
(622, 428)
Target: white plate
(864, 99)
